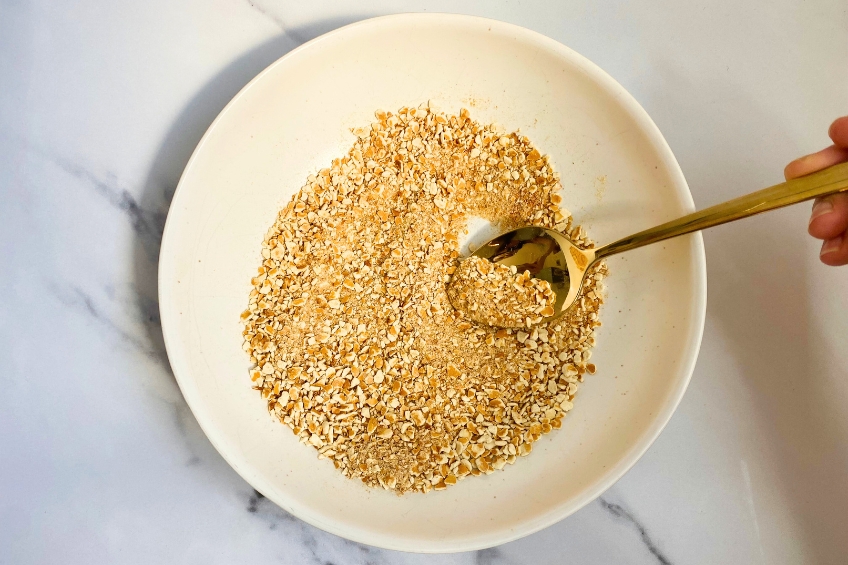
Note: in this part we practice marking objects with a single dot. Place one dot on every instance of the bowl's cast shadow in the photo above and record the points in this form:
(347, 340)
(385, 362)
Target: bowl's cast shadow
(759, 305)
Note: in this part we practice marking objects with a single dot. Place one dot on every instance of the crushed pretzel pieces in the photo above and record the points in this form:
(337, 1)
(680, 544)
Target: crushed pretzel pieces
(351, 336)
(498, 295)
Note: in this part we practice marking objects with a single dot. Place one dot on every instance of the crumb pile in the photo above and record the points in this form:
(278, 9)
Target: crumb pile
(353, 340)
(498, 295)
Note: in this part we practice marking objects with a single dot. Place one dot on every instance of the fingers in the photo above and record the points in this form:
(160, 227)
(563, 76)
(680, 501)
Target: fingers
(829, 222)
(838, 132)
(834, 252)
(829, 219)
(830, 216)
(827, 157)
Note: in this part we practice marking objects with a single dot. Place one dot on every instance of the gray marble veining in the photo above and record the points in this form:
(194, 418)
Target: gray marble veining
(619, 512)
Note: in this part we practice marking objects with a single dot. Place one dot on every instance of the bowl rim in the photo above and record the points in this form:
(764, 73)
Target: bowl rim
(628, 460)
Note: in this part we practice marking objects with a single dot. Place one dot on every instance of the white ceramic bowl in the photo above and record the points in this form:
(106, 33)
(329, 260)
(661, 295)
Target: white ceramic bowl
(618, 174)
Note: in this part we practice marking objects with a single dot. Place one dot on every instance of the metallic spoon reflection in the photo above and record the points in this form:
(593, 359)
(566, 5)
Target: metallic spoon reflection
(546, 254)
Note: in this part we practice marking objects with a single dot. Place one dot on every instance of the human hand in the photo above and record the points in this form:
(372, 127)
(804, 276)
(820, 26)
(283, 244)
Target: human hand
(829, 220)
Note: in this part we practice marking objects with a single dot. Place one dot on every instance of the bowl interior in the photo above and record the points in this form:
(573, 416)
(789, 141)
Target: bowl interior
(293, 119)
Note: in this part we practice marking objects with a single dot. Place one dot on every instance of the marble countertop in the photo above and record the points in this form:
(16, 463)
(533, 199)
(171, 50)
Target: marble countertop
(101, 104)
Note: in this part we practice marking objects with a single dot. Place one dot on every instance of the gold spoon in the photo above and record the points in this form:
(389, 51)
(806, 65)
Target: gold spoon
(551, 256)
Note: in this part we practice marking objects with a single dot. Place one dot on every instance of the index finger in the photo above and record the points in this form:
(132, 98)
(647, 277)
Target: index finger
(817, 161)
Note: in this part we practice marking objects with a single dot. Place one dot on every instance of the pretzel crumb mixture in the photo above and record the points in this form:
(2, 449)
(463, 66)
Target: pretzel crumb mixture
(498, 295)
(352, 338)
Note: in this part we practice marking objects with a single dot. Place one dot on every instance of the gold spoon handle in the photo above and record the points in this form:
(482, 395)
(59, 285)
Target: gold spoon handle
(828, 181)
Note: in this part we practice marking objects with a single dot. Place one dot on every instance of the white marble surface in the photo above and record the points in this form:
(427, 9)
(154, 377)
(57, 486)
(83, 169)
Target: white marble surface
(100, 460)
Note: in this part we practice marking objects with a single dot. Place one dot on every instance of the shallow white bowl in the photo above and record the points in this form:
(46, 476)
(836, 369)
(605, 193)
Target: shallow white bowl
(618, 174)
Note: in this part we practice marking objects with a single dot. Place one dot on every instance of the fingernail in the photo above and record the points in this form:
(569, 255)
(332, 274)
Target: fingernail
(831, 245)
(820, 208)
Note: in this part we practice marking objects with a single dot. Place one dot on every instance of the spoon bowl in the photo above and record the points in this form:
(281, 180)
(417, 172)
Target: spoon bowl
(549, 255)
